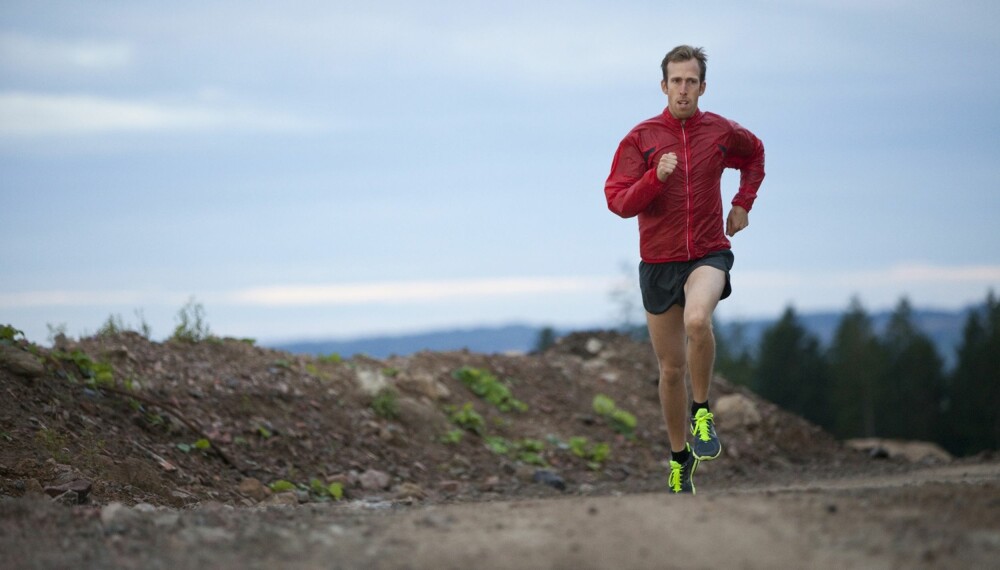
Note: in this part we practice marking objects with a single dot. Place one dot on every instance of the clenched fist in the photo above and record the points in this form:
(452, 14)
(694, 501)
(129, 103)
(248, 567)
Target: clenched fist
(666, 166)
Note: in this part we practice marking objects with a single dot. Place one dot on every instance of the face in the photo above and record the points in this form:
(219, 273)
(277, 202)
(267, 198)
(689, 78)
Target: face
(682, 87)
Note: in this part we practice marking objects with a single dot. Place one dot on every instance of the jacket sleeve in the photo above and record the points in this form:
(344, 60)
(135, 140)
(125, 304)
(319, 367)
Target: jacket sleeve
(631, 186)
(746, 154)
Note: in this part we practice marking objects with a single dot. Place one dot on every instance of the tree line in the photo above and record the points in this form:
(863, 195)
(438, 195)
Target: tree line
(890, 384)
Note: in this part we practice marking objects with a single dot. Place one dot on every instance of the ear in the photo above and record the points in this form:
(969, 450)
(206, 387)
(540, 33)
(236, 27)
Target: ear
(663, 86)
(702, 89)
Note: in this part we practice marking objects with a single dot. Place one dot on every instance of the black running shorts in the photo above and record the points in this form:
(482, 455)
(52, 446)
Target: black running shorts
(662, 284)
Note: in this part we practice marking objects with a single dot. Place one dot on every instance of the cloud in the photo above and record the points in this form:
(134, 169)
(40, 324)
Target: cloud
(414, 291)
(400, 292)
(41, 115)
(44, 54)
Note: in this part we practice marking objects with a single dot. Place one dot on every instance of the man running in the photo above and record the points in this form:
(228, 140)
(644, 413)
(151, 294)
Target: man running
(668, 172)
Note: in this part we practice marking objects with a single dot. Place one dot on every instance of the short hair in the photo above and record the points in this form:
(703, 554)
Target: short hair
(685, 53)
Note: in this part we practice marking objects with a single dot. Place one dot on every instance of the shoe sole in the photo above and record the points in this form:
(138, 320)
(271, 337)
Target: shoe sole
(707, 457)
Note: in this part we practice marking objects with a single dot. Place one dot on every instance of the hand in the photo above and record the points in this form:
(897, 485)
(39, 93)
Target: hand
(737, 220)
(666, 166)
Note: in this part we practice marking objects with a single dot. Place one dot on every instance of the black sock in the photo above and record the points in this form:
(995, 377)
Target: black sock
(680, 456)
(695, 406)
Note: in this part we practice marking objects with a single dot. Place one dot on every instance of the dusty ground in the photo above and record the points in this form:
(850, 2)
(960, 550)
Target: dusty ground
(100, 467)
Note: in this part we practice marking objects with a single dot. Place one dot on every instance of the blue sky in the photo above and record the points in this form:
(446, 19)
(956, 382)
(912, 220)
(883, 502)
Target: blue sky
(335, 169)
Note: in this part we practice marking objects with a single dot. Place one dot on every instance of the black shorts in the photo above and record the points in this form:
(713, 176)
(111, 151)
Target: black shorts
(662, 284)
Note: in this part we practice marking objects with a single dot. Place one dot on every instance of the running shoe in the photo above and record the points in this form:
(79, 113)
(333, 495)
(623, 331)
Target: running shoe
(681, 479)
(706, 442)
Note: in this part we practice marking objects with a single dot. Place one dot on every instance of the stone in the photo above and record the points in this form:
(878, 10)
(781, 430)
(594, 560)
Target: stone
(593, 346)
(254, 489)
(425, 421)
(912, 451)
(20, 362)
(736, 410)
(80, 488)
(281, 500)
(409, 491)
(374, 480)
(549, 478)
(371, 381)
(426, 385)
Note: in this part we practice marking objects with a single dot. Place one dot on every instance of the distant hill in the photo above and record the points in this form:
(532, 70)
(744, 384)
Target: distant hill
(510, 338)
(943, 327)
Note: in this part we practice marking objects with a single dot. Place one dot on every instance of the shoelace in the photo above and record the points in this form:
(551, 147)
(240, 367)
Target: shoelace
(675, 476)
(701, 425)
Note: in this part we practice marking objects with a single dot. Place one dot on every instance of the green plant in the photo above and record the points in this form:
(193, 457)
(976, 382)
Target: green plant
(191, 326)
(467, 418)
(390, 372)
(8, 334)
(603, 405)
(332, 358)
(621, 421)
(264, 432)
(95, 374)
(453, 436)
(280, 486)
(334, 490)
(489, 388)
(386, 404)
(498, 444)
(594, 454)
(53, 442)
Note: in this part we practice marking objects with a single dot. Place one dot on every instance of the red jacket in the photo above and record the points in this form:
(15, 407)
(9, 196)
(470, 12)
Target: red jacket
(681, 219)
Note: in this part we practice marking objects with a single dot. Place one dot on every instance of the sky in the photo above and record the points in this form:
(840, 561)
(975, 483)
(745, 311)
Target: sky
(334, 169)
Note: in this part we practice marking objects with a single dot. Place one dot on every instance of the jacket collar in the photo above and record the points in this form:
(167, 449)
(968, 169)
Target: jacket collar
(675, 123)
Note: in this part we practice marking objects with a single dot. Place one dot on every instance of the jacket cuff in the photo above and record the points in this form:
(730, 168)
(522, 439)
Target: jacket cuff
(744, 201)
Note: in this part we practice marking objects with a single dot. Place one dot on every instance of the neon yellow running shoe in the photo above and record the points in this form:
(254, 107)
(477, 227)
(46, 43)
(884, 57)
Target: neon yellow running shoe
(681, 479)
(706, 443)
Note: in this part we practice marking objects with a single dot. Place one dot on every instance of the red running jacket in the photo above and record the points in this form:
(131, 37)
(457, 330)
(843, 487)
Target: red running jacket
(681, 219)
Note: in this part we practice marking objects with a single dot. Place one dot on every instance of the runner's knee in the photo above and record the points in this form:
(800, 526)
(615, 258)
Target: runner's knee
(698, 324)
(671, 374)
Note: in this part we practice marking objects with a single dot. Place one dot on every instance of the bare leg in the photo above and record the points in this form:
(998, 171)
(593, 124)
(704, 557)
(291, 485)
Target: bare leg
(701, 293)
(666, 332)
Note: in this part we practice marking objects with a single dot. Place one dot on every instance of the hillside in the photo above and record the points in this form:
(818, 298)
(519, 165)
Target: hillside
(185, 431)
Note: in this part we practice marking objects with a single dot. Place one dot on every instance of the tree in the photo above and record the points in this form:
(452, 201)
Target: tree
(791, 371)
(856, 360)
(546, 339)
(974, 393)
(733, 360)
(911, 392)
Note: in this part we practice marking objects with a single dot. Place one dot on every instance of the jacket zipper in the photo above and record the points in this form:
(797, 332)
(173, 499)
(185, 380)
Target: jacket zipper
(687, 192)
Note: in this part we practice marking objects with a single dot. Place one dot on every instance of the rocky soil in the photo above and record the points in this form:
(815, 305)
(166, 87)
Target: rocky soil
(120, 452)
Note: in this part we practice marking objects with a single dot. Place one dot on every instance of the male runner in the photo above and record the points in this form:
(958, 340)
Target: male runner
(668, 172)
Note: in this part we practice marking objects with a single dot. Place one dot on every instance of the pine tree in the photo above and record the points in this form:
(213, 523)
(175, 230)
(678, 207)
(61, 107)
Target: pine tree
(856, 360)
(974, 393)
(733, 360)
(791, 371)
(911, 392)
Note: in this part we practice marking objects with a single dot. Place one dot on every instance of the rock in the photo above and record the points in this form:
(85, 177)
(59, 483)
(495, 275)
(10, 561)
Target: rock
(449, 487)
(374, 480)
(371, 381)
(427, 385)
(79, 487)
(736, 410)
(20, 362)
(254, 489)
(281, 500)
(549, 478)
(33, 487)
(144, 508)
(593, 346)
(913, 451)
(490, 484)
(409, 491)
(427, 422)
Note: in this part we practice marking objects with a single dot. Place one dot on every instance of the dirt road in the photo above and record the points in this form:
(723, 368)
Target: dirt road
(940, 517)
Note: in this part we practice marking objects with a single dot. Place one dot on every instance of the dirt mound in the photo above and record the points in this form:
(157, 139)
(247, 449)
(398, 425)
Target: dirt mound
(120, 418)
